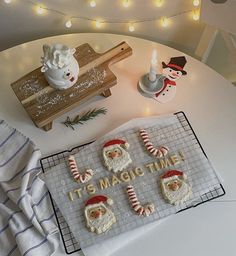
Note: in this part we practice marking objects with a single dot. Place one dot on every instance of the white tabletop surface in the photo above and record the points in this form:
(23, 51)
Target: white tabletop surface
(208, 100)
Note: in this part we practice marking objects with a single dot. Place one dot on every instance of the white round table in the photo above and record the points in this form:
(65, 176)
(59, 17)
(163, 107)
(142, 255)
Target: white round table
(208, 100)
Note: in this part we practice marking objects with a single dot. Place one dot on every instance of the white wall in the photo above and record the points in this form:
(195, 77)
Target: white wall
(19, 23)
(222, 57)
(222, 16)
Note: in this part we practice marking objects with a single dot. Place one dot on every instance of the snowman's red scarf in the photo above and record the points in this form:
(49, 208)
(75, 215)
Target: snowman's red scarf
(166, 82)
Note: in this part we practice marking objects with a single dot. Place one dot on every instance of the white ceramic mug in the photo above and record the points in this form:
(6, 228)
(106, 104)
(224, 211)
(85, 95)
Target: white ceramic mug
(60, 67)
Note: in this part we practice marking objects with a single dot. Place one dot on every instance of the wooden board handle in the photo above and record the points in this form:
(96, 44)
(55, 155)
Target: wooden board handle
(117, 53)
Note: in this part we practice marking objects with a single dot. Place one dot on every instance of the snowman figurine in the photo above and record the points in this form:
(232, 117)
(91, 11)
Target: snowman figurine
(171, 73)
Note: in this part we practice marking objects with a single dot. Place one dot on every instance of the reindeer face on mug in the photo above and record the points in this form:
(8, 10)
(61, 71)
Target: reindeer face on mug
(59, 66)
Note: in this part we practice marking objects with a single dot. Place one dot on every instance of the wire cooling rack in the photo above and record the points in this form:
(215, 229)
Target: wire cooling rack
(69, 242)
(68, 239)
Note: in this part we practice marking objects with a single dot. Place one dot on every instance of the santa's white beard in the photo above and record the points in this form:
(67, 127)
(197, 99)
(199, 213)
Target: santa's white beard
(178, 196)
(102, 224)
(119, 163)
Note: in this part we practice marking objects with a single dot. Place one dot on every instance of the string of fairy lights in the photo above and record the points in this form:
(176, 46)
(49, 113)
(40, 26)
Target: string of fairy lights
(68, 19)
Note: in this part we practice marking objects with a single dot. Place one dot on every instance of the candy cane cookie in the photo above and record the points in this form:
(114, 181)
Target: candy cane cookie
(135, 204)
(79, 177)
(157, 152)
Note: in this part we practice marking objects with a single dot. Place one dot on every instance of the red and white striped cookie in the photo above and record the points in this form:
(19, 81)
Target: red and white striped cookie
(135, 204)
(157, 152)
(79, 177)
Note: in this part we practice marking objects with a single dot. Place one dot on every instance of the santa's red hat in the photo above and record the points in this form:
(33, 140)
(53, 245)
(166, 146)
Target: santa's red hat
(172, 173)
(98, 199)
(122, 143)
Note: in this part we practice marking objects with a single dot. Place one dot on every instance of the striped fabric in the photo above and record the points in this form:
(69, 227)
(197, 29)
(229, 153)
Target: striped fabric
(27, 223)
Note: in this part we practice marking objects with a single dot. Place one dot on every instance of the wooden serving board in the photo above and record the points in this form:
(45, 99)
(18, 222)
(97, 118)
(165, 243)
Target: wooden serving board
(44, 103)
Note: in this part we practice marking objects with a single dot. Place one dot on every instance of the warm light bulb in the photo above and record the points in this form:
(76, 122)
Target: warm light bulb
(196, 2)
(164, 22)
(7, 1)
(93, 3)
(131, 27)
(68, 24)
(159, 3)
(196, 15)
(39, 10)
(126, 3)
(98, 24)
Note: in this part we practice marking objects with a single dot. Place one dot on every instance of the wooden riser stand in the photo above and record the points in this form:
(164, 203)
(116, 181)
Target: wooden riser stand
(44, 103)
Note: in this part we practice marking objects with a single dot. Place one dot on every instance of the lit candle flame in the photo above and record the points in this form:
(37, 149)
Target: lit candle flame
(154, 56)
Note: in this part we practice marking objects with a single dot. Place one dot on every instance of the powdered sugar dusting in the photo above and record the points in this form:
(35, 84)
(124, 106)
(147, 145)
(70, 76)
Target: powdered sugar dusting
(44, 102)
(96, 77)
(31, 86)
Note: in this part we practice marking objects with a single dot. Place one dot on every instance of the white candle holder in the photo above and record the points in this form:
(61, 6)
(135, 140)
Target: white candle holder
(148, 88)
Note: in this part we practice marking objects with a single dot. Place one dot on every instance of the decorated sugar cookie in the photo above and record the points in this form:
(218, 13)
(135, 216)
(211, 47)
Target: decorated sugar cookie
(135, 204)
(98, 216)
(160, 151)
(115, 155)
(172, 72)
(78, 176)
(174, 187)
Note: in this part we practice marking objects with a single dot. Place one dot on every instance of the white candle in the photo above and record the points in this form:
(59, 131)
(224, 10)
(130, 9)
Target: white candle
(153, 67)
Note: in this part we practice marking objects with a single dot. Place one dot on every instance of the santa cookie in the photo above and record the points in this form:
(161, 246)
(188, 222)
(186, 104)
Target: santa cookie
(98, 216)
(115, 155)
(174, 187)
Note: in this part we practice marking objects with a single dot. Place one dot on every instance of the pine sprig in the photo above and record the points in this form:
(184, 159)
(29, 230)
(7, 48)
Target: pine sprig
(81, 119)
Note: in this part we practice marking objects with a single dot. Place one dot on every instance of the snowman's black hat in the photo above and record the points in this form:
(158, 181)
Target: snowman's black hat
(176, 63)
